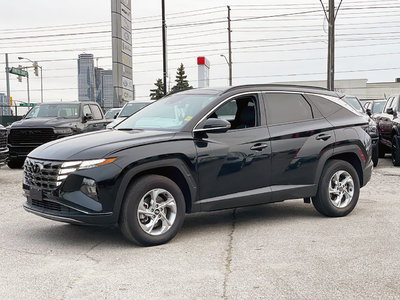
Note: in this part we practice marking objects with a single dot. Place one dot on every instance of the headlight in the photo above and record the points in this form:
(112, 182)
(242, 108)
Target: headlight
(371, 128)
(62, 130)
(72, 166)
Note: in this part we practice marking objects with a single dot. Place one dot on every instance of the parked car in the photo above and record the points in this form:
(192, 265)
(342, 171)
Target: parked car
(371, 128)
(128, 110)
(178, 156)
(389, 129)
(51, 121)
(374, 106)
(112, 113)
(3, 145)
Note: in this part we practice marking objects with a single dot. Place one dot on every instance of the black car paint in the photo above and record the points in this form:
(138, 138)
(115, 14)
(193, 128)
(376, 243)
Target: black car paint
(389, 123)
(79, 125)
(214, 170)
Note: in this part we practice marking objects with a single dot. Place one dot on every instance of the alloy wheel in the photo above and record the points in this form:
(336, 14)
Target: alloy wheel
(157, 211)
(341, 189)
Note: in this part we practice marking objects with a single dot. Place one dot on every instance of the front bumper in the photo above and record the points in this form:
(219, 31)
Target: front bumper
(3, 156)
(67, 203)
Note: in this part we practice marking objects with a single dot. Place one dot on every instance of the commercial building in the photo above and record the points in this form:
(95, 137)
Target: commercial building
(360, 88)
(107, 90)
(5, 109)
(86, 78)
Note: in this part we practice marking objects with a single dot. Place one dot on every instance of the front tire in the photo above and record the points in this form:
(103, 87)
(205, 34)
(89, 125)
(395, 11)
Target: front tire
(338, 189)
(396, 151)
(15, 163)
(153, 211)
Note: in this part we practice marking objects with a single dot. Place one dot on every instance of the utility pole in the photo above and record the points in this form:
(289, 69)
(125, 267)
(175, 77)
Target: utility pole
(164, 41)
(8, 78)
(27, 86)
(331, 46)
(230, 45)
(331, 18)
(41, 84)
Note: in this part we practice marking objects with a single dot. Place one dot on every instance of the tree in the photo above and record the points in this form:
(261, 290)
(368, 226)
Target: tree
(157, 93)
(181, 82)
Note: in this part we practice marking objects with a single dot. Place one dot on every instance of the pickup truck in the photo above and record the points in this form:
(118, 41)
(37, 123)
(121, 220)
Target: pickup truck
(388, 123)
(50, 121)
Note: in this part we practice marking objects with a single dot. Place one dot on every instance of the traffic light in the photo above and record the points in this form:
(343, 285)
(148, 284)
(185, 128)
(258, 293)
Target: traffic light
(36, 68)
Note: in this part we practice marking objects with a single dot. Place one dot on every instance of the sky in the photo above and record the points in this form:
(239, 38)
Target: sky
(272, 41)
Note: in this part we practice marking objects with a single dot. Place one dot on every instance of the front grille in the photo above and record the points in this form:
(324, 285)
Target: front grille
(46, 175)
(3, 139)
(49, 205)
(26, 136)
(41, 174)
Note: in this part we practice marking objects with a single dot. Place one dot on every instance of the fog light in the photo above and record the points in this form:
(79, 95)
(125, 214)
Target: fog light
(89, 188)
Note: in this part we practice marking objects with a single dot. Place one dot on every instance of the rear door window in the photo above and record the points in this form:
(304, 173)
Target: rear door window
(287, 108)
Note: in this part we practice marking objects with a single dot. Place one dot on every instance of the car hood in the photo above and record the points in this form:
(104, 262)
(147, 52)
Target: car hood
(43, 122)
(97, 144)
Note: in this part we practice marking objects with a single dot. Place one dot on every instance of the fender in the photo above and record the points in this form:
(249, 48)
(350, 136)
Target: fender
(352, 148)
(169, 162)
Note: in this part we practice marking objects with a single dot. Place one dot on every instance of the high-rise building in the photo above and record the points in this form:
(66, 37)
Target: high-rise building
(107, 90)
(98, 84)
(86, 78)
(5, 109)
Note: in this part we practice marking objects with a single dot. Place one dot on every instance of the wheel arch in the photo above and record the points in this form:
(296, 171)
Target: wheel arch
(350, 154)
(174, 169)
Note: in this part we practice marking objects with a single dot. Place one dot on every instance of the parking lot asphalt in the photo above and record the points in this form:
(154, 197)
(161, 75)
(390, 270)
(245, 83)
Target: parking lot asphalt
(276, 251)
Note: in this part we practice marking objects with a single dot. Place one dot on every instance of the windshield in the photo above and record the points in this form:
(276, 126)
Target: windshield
(111, 113)
(354, 103)
(378, 107)
(130, 108)
(170, 113)
(67, 111)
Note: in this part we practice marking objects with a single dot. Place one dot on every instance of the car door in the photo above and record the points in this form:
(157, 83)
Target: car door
(299, 135)
(233, 167)
(98, 119)
(386, 123)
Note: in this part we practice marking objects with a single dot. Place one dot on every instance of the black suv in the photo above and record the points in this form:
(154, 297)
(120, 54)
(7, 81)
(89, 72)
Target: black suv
(3, 145)
(50, 121)
(204, 150)
(389, 129)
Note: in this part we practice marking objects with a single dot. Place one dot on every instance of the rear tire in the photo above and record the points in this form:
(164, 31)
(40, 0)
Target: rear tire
(381, 150)
(375, 154)
(153, 211)
(396, 151)
(15, 163)
(338, 189)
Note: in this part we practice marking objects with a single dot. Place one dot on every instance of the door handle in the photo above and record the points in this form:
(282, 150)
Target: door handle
(259, 147)
(324, 137)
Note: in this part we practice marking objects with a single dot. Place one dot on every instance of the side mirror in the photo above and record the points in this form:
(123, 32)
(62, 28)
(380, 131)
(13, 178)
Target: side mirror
(369, 112)
(214, 125)
(87, 117)
(390, 111)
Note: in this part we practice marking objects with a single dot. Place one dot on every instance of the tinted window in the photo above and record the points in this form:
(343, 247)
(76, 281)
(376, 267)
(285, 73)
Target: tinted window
(325, 106)
(241, 112)
(353, 101)
(378, 107)
(286, 108)
(97, 115)
(86, 110)
(130, 108)
(66, 111)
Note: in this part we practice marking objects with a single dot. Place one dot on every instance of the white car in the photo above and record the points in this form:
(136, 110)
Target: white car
(128, 110)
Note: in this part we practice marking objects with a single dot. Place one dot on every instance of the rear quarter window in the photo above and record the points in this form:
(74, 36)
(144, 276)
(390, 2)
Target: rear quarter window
(325, 106)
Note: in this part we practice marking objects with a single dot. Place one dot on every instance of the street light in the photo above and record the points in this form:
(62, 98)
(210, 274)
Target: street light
(35, 65)
(230, 69)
